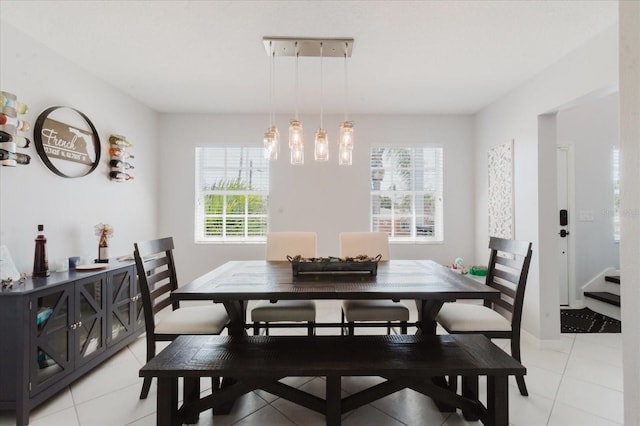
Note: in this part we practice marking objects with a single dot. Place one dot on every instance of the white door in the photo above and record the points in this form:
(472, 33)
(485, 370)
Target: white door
(563, 219)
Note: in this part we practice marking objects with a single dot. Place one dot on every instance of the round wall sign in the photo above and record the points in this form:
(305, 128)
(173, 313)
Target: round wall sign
(67, 142)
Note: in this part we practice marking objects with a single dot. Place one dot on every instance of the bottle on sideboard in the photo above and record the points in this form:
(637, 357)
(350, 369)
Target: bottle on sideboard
(40, 262)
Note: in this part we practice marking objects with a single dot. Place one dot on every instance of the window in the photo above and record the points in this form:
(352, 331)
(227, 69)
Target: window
(615, 166)
(232, 194)
(406, 193)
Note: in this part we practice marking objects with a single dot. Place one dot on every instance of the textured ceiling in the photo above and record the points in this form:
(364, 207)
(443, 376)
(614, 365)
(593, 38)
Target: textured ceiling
(408, 56)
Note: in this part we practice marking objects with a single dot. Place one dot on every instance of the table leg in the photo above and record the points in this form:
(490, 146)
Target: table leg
(167, 402)
(427, 312)
(191, 393)
(498, 400)
(237, 312)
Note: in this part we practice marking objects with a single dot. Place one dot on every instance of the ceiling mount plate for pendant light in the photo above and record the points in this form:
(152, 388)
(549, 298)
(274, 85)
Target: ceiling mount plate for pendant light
(286, 46)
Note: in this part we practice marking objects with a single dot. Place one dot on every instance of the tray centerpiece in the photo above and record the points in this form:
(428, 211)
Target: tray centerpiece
(322, 265)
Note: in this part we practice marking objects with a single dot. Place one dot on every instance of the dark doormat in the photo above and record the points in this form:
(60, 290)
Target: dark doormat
(587, 321)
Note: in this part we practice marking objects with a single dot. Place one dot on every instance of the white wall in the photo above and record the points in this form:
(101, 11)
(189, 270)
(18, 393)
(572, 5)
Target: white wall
(70, 208)
(592, 67)
(592, 129)
(320, 197)
(629, 16)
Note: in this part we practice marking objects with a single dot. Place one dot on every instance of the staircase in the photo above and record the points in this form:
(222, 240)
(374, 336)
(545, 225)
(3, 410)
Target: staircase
(606, 301)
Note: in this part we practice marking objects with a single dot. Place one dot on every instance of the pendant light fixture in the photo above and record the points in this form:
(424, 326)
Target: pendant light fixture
(345, 143)
(313, 47)
(272, 135)
(296, 138)
(321, 152)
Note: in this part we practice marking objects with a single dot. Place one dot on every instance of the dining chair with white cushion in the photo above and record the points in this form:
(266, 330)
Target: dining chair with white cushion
(500, 318)
(164, 318)
(353, 244)
(279, 246)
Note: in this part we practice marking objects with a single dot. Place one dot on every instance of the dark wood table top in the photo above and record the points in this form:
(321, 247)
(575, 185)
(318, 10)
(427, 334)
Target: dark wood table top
(395, 279)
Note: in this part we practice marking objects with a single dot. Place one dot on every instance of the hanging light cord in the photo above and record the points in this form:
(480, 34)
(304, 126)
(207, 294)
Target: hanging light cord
(273, 87)
(346, 86)
(297, 82)
(321, 89)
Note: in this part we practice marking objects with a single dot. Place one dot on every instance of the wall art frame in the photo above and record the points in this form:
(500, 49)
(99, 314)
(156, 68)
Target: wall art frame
(81, 149)
(501, 197)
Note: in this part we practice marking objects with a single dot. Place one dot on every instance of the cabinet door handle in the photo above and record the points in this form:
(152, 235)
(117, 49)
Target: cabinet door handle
(74, 326)
(79, 324)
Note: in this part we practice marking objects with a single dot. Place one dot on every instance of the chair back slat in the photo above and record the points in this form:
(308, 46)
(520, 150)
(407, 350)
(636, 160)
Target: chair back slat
(506, 276)
(156, 276)
(159, 277)
(507, 272)
(504, 289)
(509, 263)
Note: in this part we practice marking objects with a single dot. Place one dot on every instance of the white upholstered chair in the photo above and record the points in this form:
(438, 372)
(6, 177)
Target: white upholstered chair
(279, 246)
(371, 244)
(164, 318)
(501, 318)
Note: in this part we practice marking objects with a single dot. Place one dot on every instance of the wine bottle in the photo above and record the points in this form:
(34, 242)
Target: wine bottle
(118, 152)
(20, 141)
(120, 164)
(21, 125)
(40, 262)
(16, 156)
(12, 103)
(120, 176)
(119, 141)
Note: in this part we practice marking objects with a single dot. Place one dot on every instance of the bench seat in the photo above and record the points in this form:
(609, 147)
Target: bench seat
(405, 361)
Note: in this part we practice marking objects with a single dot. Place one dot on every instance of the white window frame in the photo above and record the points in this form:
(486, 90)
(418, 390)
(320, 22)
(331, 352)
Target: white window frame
(615, 169)
(418, 230)
(216, 160)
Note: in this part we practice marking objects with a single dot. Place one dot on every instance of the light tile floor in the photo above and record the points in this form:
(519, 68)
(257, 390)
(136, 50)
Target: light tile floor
(579, 384)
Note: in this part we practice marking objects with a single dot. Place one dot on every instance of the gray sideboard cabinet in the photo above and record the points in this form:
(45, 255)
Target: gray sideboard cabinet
(54, 330)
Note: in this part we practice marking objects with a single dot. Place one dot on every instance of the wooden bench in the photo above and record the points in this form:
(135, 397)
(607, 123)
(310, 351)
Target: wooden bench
(405, 361)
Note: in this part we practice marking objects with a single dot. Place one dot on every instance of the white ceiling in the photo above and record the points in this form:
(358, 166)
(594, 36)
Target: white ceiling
(408, 56)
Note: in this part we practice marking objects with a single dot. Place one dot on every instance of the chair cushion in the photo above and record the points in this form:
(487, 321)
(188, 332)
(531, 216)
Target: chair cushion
(193, 320)
(461, 317)
(284, 310)
(374, 310)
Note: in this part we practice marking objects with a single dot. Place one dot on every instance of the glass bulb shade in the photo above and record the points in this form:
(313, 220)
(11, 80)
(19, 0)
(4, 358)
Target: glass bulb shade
(297, 155)
(346, 134)
(321, 152)
(295, 133)
(345, 156)
(271, 143)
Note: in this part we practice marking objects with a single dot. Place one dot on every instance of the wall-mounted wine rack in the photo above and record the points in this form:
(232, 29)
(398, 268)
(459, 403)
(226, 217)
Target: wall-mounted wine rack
(120, 163)
(10, 126)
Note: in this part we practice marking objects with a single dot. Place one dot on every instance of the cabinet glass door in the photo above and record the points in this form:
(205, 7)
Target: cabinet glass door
(51, 320)
(90, 321)
(120, 311)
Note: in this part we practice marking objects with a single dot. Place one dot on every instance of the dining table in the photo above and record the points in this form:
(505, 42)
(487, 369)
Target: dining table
(427, 282)
(235, 283)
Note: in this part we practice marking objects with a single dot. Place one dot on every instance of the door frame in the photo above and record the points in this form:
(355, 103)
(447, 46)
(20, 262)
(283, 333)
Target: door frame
(570, 152)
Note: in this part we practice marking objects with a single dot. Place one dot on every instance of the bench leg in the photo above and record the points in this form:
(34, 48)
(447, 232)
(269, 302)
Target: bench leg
(497, 401)
(334, 401)
(167, 402)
